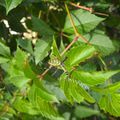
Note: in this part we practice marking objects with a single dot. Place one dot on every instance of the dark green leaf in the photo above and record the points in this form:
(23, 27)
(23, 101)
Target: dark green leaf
(83, 112)
(26, 45)
(41, 49)
(41, 27)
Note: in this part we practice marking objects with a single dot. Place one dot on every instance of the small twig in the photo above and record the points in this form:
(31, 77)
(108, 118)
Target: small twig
(63, 34)
(102, 14)
(45, 72)
(88, 9)
(82, 7)
(74, 40)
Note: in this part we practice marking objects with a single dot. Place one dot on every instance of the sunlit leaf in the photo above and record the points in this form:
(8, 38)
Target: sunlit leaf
(111, 103)
(10, 4)
(93, 78)
(79, 54)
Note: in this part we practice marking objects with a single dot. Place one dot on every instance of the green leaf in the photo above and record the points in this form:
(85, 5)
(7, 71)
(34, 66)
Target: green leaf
(99, 40)
(25, 107)
(113, 88)
(81, 91)
(47, 110)
(74, 91)
(64, 84)
(41, 92)
(83, 112)
(41, 49)
(84, 21)
(17, 69)
(42, 107)
(2, 2)
(55, 51)
(41, 27)
(4, 50)
(25, 44)
(3, 60)
(93, 78)
(28, 71)
(20, 58)
(111, 103)
(11, 4)
(79, 54)
(17, 77)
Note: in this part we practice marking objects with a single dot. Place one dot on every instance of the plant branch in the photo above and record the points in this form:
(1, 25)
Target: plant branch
(45, 72)
(71, 20)
(74, 40)
(73, 25)
(82, 7)
(88, 9)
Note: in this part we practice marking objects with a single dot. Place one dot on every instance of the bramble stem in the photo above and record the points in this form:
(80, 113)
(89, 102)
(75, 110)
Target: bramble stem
(88, 9)
(82, 7)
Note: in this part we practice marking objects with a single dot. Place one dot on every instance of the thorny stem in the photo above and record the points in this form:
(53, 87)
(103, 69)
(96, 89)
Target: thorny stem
(82, 7)
(88, 9)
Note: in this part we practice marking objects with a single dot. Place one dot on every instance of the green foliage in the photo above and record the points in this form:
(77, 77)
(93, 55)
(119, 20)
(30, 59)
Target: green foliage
(10, 4)
(82, 22)
(59, 64)
(83, 112)
(93, 78)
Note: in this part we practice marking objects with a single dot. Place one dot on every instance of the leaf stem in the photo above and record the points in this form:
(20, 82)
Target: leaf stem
(105, 66)
(73, 25)
(71, 20)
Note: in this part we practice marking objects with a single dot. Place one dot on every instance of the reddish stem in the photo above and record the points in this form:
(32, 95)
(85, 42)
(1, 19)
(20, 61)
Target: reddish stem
(82, 7)
(74, 40)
